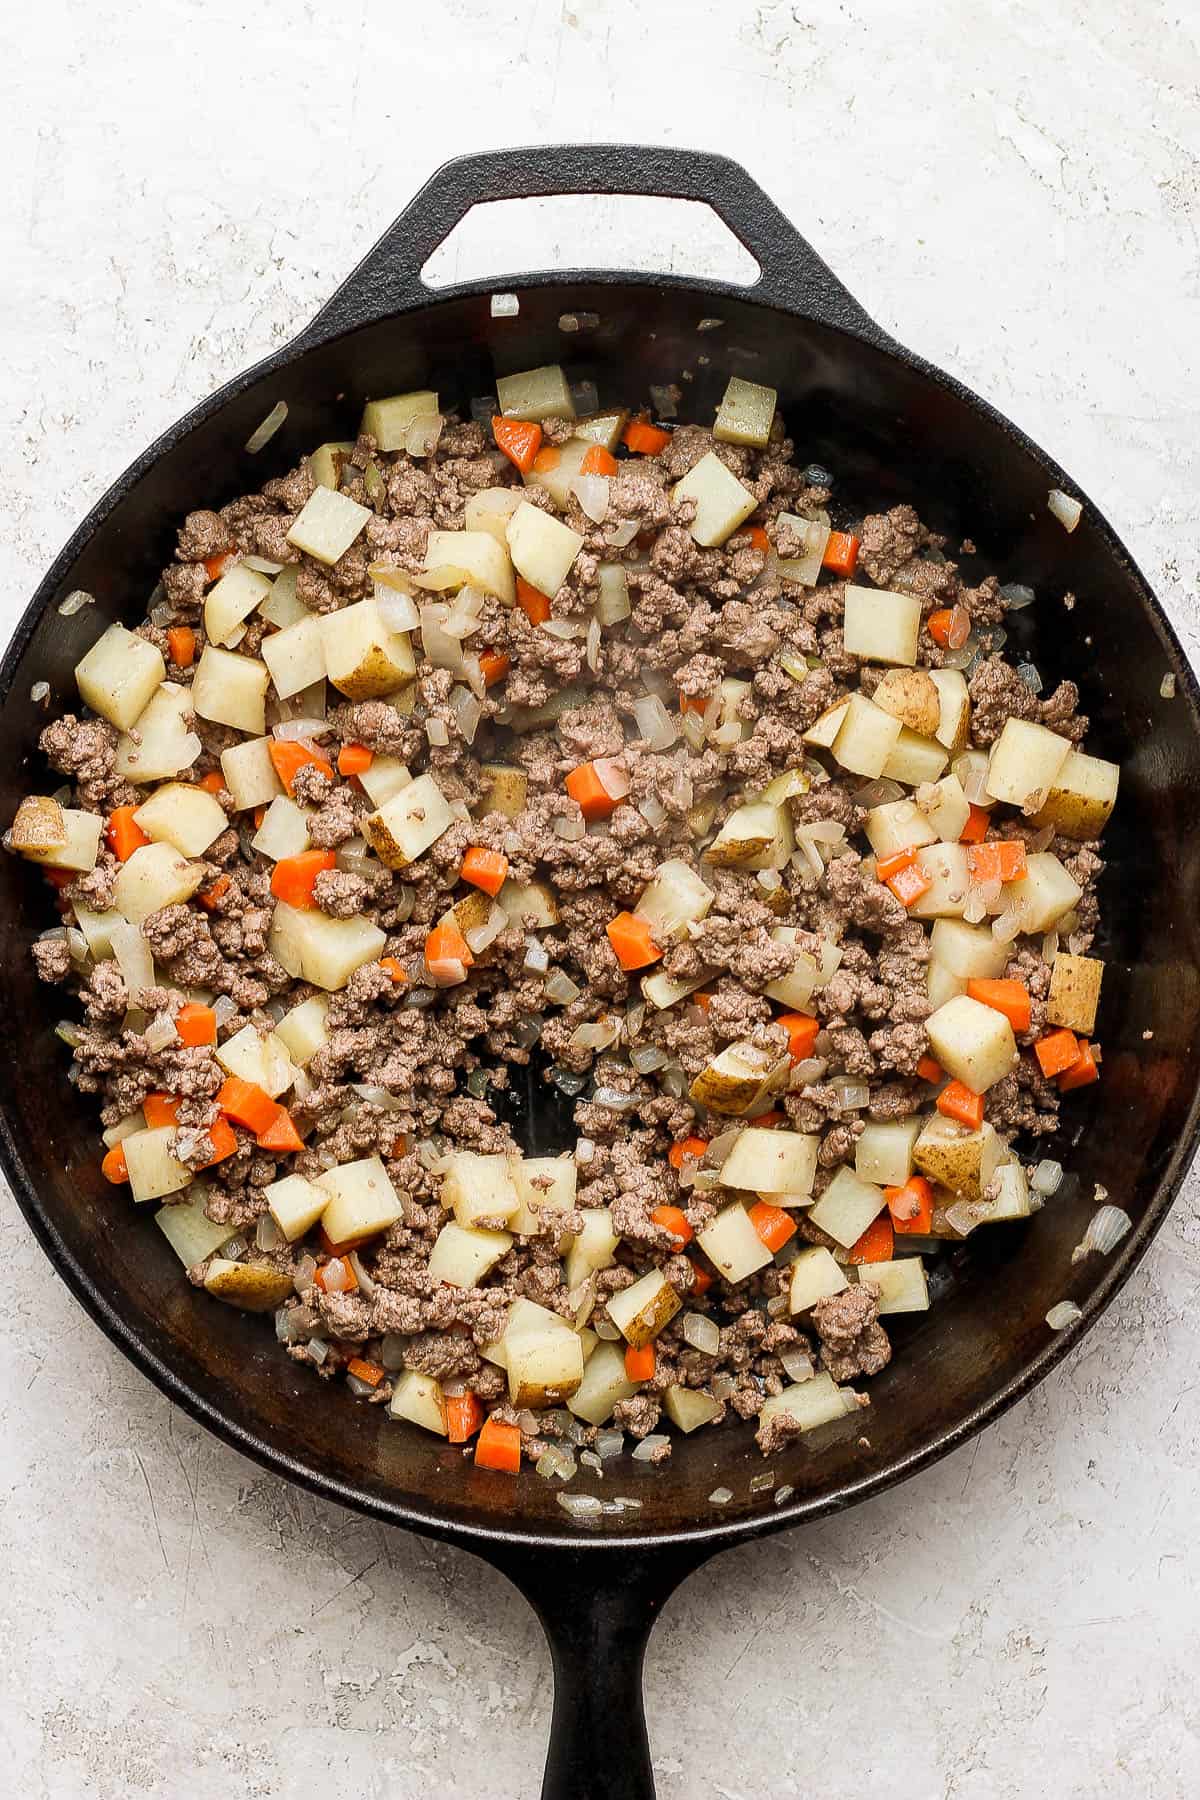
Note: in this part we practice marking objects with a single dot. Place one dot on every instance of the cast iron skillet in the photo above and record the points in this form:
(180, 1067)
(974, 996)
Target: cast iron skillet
(893, 429)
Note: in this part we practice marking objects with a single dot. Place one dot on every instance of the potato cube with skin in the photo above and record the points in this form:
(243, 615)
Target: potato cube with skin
(689, 1408)
(766, 1161)
(153, 1168)
(722, 503)
(326, 461)
(296, 655)
(968, 950)
(419, 1400)
(866, 737)
(327, 525)
(973, 1043)
(325, 951)
(303, 1031)
(165, 743)
(385, 777)
(746, 413)
(847, 1207)
(232, 599)
(947, 808)
(530, 904)
(479, 1188)
(732, 1245)
(954, 709)
(915, 760)
(363, 658)
(902, 1285)
(1045, 894)
(405, 827)
(755, 836)
(810, 1404)
(542, 548)
(813, 1276)
(545, 1185)
(910, 696)
(949, 874)
(232, 690)
(823, 734)
(156, 875)
(675, 899)
(640, 1311)
(503, 789)
(295, 1205)
(542, 393)
(881, 625)
(884, 1152)
(1074, 992)
(462, 1256)
(362, 1201)
(119, 675)
(1081, 797)
(192, 1235)
(187, 817)
(80, 846)
(543, 1357)
(255, 1287)
(491, 510)
(741, 1074)
(956, 1157)
(477, 558)
(898, 825)
(388, 421)
(1024, 762)
(605, 1383)
(594, 1247)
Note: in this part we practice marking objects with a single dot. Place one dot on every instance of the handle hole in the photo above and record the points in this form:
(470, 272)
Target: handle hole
(593, 231)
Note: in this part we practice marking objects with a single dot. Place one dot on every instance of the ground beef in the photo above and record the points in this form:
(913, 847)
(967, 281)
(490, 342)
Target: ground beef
(852, 1341)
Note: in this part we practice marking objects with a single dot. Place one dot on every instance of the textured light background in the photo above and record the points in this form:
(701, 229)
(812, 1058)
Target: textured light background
(1012, 190)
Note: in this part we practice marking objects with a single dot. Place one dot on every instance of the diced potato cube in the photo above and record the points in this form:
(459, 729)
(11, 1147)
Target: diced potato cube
(38, 827)
(295, 1205)
(283, 606)
(156, 875)
(231, 599)
(296, 655)
(283, 832)
(362, 1201)
(407, 825)
(755, 836)
(1074, 992)
(604, 1383)
(364, 659)
(491, 510)
(902, 1285)
(812, 530)
(866, 737)
(663, 990)
(910, 696)
(303, 1031)
(118, 676)
(388, 421)
(813, 1276)
(1082, 796)
(954, 709)
(883, 1154)
(325, 462)
(822, 735)
(772, 1162)
(185, 816)
(722, 503)
(915, 760)
(881, 625)
(594, 1247)
(476, 558)
(1023, 764)
(462, 1256)
(546, 1185)
(797, 987)
(385, 777)
(956, 1157)
(746, 413)
(675, 899)
(941, 985)
(479, 1188)
(946, 866)
(231, 689)
(261, 1060)
(732, 1245)
(255, 1287)
(80, 844)
(327, 524)
(969, 951)
(897, 825)
(325, 951)
(737, 1077)
(847, 1207)
(640, 1311)
(191, 1234)
(689, 1408)
(542, 548)
(1045, 894)
(249, 773)
(504, 789)
(165, 745)
(153, 1168)
(543, 1357)
(973, 1043)
(947, 808)
(543, 393)
(810, 1404)
(530, 904)
(419, 1399)
(602, 428)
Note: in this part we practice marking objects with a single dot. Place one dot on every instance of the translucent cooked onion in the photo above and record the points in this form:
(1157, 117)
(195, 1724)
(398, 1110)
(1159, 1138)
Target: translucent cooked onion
(561, 989)
(580, 1506)
(808, 860)
(650, 1447)
(879, 793)
(134, 959)
(39, 691)
(653, 811)
(480, 937)
(353, 857)
(621, 532)
(423, 434)
(596, 1034)
(974, 906)
(438, 733)
(591, 491)
(646, 1058)
(1031, 676)
(569, 829)
(770, 879)
(467, 712)
(971, 770)
(267, 1235)
(721, 1496)
(160, 1032)
(797, 1364)
(702, 1333)
(299, 731)
(609, 1444)
(1017, 596)
(592, 644)
(635, 1015)
(1006, 926)
(654, 722)
(1047, 1177)
(262, 434)
(612, 776)
(811, 1069)
(585, 1151)
(614, 1099)
(75, 601)
(1063, 1314)
(692, 726)
(464, 615)
(681, 792)
(822, 831)
(851, 1095)
(958, 628)
(1108, 1226)
(262, 565)
(565, 629)
(1065, 508)
(442, 650)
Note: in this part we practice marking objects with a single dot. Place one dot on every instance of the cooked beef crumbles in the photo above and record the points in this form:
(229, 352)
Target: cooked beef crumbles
(743, 831)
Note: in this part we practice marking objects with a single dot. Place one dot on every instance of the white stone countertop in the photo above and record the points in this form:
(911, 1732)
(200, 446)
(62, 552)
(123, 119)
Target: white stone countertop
(1012, 190)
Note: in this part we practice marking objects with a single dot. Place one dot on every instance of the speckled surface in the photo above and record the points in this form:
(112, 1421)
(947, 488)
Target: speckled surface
(1019, 201)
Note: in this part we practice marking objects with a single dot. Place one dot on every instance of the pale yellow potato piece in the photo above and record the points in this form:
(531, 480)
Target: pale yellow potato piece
(419, 1400)
(822, 735)
(946, 865)
(191, 1234)
(910, 696)
(954, 709)
(947, 808)
(956, 1157)
(1045, 894)
(865, 738)
(722, 503)
(182, 815)
(746, 413)
(969, 951)
(1082, 796)
(883, 1154)
(303, 1031)
(676, 898)
(902, 1285)
(325, 951)
(898, 825)
(296, 655)
(362, 1201)
(796, 988)
(231, 599)
(605, 1383)
(490, 511)
(881, 625)
(594, 1247)
(295, 1205)
(405, 827)
(325, 462)
(640, 1311)
(152, 1165)
(768, 1161)
(974, 1043)
(732, 1245)
(80, 847)
(327, 525)
(602, 428)
(689, 1408)
(165, 744)
(39, 826)
(542, 548)
(737, 1077)
(249, 774)
(542, 393)
(530, 904)
(847, 1207)
(546, 1185)
(156, 875)
(504, 790)
(388, 421)
(479, 1188)
(1024, 763)
(119, 675)
(363, 658)
(474, 558)
(915, 760)
(462, 1256)
(810, 1404)
(232, 690)
(755, 836)
(1074, 992)
(813, 1276)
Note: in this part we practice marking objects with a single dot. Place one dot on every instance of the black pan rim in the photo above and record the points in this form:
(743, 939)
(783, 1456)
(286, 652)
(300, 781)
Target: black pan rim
(702, 1539)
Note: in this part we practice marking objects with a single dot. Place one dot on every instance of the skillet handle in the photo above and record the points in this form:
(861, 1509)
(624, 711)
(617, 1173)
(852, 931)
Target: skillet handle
(598, 1608)
(388, 279)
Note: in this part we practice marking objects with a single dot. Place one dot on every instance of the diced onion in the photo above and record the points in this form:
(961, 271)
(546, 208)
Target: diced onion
(580, 1506)
(721, 1496)
(564, 629)
(650, 1447)
(1006, 926)
(39, 691)
(1016, 595)
(882, 792)
(770, 879)
(561, 989)
(646, 1058)
(654, 722)
(822, 831)
(1030, 674)
(958, 628)
(592, 646)
(614, 1099)
(438, 732)
(262, 565)
(971, 770)
(571, 830)
(1047, 1177)
(134, 958)
(635, 1015)
(591, 491)
(479, 937)
(160, 1032)
(465, 611)
(1065, 508)
(1063, 1314)
(653, 811)
(300, 731)
(702, 1333)
(621, 532)
(467, 712)
(612, 776)
(596, 1034)
(442, 650)
(609, 1444)
(1166, 686)
(75, 601)
(1108, 1226)
(262, 434)
(797, 1364)
(851, 1094)
(811, 1069)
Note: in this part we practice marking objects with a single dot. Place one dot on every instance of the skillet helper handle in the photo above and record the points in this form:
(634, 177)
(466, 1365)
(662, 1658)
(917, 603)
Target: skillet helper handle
(793, 276)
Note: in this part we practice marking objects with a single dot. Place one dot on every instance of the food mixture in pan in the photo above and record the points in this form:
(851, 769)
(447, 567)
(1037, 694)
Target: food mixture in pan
(585, 740)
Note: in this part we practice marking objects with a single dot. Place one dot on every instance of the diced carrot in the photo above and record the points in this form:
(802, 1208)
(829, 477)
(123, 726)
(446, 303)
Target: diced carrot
(689, 1146)
(929, 1069)
(887, 866)
(759, 540)
(976, 826)
(598, 461)
(223, 1139)
(547, 458)
(61, 878)
(911, 1206)
(446, 943)
(769, 1120)
(958, 1101)
(281, 1134)
(196, 1024)
(876, 1243)
(160, 1109)
(213, 782)
(343, 1246)
(288, 758)
(123, 832)
(643, 439)
(354, 759)
(114, 1167)
(369, 1372)
(520, 440)
(841, 553)
(209, 896)
(464, 1416)
(215, 566)
(939, 626)
(260, 813)
(701, 999)
(493, 666)
(247, 1103)
(1056, 1051)
(1008, 997)
(294, 878)
(701, 1279)
(1081, 1072)
(640, 1363)
(532, 602)
(181, 646)
(486, 869)
(1003, 861)
(693, 702)
(345, 1280)
(773, 1225)
(394, 968)
(802, 1032)
(632, 944)
(498, 1446)
(910, 884)
(674, 1220)
(589, 792)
